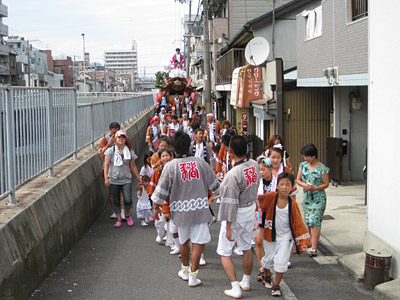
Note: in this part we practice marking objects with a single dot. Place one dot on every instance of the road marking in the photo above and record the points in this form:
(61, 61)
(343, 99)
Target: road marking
(287, 292)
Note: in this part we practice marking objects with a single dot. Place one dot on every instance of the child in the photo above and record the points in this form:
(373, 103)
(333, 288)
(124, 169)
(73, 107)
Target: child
(165, 156)
(147, 168)
(283, 223)
(264, 164)
(143, 206)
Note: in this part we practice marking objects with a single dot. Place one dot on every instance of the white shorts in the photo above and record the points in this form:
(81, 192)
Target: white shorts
(241, 232)
(172, 227)
(197, 233)
(277, 255)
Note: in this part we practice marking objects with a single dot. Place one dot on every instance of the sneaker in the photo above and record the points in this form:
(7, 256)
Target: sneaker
(238, 251)
(267, 282)
(151, 219)
(169, 244)
(184, 273)
(312, 252)
(143, 223)
(122, 214)
(158, 239)
(289, 264)
(202, 261)
(233, 293)
(118, 224)
(113, 216)
(129, 221)
(276, 291)
(245, 286)
(164, 238)
(193, 281)
(175, 251)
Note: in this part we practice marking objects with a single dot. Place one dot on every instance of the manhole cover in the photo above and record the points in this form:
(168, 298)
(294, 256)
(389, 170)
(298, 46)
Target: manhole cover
(328, 217)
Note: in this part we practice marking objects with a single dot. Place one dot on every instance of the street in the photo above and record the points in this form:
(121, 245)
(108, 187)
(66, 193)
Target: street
(127, 263)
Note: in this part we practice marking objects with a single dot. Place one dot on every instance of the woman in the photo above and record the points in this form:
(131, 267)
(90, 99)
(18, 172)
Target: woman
(119, 165)
(313, 176)
(277, 140)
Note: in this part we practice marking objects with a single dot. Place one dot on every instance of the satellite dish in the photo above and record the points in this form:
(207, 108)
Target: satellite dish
(257, 51)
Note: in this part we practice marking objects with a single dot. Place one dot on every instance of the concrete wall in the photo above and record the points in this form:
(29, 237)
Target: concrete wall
(285, 36)
(358, 127)
(52, 216)
(240, 12)
(383, 132)
(342, 44)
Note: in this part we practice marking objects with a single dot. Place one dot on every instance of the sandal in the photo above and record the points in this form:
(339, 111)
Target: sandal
(267, 281)
(276, 291)
(260, 276)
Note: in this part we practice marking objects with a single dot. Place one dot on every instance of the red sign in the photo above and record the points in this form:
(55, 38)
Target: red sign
(245, 117)
(249, 85)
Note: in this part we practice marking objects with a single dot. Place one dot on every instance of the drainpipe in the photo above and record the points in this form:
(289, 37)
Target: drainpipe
(273, 30)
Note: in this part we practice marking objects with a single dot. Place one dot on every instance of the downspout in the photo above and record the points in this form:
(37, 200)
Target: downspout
(273, 30)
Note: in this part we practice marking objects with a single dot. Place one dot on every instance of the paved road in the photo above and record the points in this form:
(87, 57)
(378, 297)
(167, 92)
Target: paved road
(126, 263)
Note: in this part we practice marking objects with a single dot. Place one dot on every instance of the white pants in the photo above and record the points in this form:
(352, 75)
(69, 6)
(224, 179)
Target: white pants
(197, 233)
(159, 225)
(277, 255)
(241, 233)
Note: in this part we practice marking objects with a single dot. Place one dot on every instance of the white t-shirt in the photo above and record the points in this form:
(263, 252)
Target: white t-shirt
(282, 226)
(199, 150)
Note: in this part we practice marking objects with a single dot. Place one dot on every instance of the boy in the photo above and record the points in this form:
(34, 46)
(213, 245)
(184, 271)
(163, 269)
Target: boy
(186, 181)
(238, 193)
(283, 225)
(200, 148)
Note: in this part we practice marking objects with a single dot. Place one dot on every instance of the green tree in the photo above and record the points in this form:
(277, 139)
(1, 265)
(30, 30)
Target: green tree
(159, 78)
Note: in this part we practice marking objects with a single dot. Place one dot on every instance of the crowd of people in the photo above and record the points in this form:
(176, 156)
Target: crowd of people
(194, 163)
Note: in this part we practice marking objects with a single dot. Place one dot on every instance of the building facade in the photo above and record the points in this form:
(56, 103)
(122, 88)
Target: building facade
(124, 63)
(5, 77)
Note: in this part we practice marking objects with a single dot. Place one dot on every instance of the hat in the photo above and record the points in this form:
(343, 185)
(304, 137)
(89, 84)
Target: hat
(210, 115)
(167, 118)
(163, 108)
(120, 133)
(154, 119)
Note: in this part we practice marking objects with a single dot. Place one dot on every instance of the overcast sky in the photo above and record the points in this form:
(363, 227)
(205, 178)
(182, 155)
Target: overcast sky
(156, 25)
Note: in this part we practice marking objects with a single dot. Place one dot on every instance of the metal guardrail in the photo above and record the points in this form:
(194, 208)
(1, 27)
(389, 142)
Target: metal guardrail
(40, 127)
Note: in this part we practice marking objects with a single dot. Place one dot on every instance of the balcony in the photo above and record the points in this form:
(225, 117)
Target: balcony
(234, 58)
(3, 11)
(3, 30)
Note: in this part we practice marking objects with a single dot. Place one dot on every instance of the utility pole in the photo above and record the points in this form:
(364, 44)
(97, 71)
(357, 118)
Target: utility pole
(188, 39)
(84, 64)
(29, 66)
(206, 59)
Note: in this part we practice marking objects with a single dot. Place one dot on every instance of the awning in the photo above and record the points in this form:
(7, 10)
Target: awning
(264, 109)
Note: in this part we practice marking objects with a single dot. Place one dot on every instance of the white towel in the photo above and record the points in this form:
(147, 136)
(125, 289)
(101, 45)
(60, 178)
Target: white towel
(117, 156)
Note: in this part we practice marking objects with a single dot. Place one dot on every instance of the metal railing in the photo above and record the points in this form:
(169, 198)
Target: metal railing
(40, 127)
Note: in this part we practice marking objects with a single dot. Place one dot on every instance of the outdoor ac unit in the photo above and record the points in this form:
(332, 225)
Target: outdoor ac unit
(219, 40)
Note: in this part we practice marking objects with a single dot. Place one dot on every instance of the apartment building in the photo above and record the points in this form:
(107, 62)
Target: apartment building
(4, 50)
(124, 63)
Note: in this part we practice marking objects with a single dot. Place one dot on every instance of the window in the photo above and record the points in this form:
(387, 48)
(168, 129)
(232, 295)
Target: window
(359, 9)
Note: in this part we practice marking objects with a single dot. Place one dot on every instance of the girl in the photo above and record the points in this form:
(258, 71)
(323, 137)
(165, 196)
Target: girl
(264, 163)
(277, 140)
(147, 169)
(143, 206)
(166, 155)
(119, 164)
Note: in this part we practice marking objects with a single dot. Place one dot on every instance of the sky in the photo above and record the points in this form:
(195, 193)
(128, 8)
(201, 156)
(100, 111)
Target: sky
(57, 25)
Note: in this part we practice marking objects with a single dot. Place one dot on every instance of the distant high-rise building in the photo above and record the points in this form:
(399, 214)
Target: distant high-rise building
(4, 50)
(123, 62)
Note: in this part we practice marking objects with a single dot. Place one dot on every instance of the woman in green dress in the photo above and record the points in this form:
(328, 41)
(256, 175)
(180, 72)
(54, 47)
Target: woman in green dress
(313, 176)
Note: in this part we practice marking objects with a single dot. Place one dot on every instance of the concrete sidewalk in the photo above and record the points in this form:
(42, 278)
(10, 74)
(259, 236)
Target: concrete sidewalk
(343, 231)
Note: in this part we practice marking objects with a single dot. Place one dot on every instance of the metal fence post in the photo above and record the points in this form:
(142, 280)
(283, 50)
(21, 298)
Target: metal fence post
(10, 129)
(50, 135)
(75, 124)
(92, 124)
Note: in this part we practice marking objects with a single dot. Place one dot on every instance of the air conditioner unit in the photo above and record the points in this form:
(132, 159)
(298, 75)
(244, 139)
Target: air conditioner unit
(219, 40)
